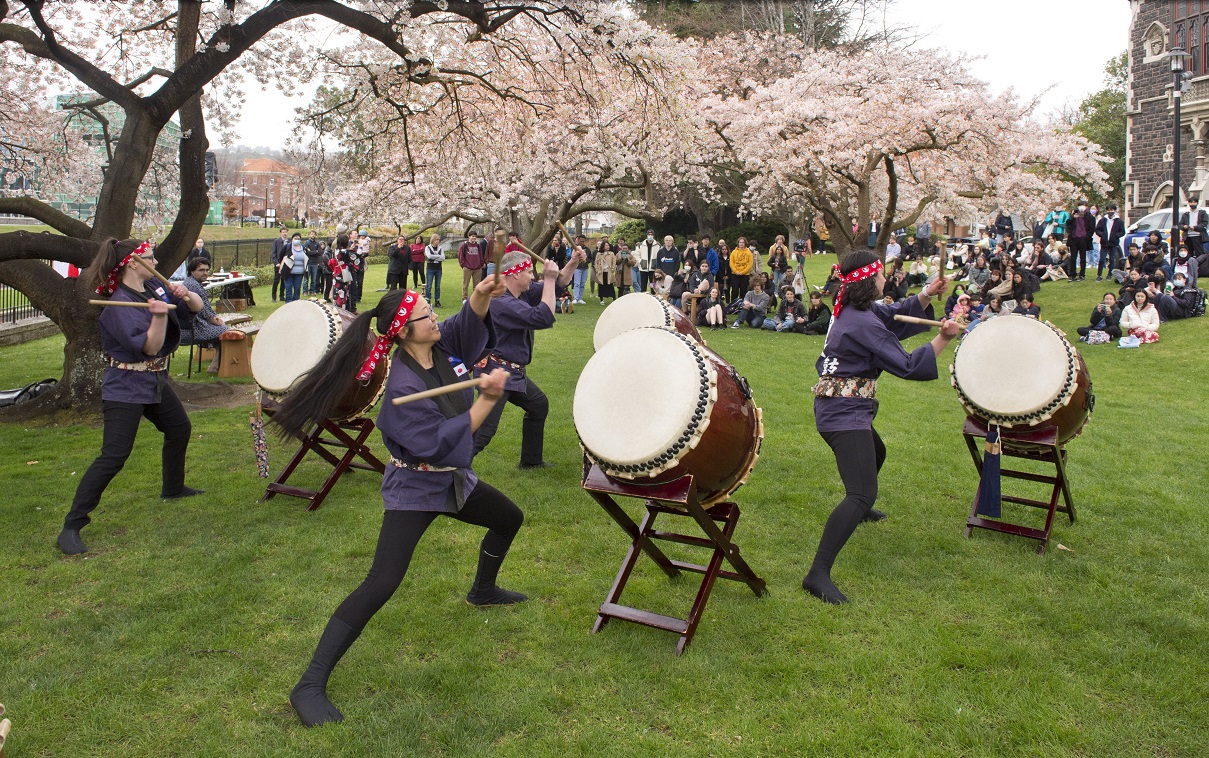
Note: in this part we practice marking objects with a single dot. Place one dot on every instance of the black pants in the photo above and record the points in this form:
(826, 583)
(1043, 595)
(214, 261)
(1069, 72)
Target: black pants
(859, 455)
(1112, 331)
(738, 285)
(417, 275)
(121, 427)
(533, 429)
(1110, 257)
(1196, 246)
(1078, 251)
(277, 281)
(354, 290)
(401, 532)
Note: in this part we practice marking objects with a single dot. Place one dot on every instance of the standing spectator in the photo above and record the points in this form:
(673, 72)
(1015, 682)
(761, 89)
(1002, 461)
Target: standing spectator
(1081, 228)
(1003, 228)
(692, 254)
(470, 258)
(625, 268)
(778, 261)
(1193, 223)
(293, 268)
(1110, 229)
(279, 248)
(434, 259)
(723, 275)
(325, 271)
(314, 260)
(557, 251)
(1039, 227)
(358, 252)
(1056, 221)
(398, 259)
(741, 262)
(646, 253)
(607, 268)
(670, 259)
(417, 264)
(754, 309)
(199, 251)
(710, 254)
(580, 278)
(923, 239)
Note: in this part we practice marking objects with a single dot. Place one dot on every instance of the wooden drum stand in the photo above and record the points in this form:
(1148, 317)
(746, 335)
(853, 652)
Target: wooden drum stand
(674, 498)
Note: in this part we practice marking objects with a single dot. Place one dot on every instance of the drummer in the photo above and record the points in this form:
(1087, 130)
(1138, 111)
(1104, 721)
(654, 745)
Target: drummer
(137, 343)
(430, 453)
(527, 305)
(862, 342)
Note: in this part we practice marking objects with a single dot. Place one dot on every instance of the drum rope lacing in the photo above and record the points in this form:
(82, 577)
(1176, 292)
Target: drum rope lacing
(688, 439)
(1026, 419)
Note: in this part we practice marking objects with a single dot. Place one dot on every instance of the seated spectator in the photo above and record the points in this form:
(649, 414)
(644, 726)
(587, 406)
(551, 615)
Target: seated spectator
(1023, 282)
(769, 289)
(896, 286)
(832, 285)
(1141, 319)
(1180, 302)
(1060, 258)
(1184, 264)
(754, 308)
(661, 286)
(711, 310)
(791, 315)
(701, 280)
(1105, 319)
(917, 275)
(818, 317)
(1026, 307)
(979, 275)
(910, 250)
(206, 325)
(961, 310)
(675, 292)
(1154, 252)
(1134, 281)
(1132, 260)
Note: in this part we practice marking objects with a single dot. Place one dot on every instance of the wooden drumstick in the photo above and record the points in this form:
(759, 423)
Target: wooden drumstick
(538, 261)
(468, 384)
(151, 268)
(501, 240)
(126, 303)
(914, 320)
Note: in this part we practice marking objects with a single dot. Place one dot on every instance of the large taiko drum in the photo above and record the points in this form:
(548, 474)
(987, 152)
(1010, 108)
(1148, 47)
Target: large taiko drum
(1022, 373)
(639, 309)
(294, 339)
(653, 405)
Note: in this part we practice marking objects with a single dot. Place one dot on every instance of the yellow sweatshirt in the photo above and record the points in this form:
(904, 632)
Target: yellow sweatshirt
(741, 261)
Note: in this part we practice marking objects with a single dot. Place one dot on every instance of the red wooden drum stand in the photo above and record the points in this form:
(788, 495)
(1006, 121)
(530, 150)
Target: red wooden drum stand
(1038, 444)
(674, 498)
(353, 447)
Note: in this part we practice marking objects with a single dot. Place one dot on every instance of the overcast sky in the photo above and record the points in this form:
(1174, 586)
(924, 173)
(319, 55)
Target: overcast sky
(1058, 47)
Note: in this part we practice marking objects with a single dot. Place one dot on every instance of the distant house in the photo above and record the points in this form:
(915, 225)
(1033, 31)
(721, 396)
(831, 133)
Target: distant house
(267, 185)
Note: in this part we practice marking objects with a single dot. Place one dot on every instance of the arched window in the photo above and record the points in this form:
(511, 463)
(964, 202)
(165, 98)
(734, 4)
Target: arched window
(1194, 48)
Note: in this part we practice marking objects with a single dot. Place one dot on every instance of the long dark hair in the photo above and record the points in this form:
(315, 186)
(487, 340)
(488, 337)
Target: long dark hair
(111, 253)
(318, 390)
(860, 295)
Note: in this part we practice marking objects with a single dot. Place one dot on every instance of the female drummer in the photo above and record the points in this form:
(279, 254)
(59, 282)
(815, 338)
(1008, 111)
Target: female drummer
(137, 343)
(863, 341)
(431, 445)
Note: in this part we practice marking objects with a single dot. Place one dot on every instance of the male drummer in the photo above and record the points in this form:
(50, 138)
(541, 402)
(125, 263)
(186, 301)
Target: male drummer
(527, 305)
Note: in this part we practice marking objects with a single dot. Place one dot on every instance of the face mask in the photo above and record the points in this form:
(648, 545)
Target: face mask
(1082, 208)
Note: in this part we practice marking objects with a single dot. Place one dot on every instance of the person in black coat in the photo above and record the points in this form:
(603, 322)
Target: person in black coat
(1079, 231)
(398, 258)
(1004, 227)
(896, 286)
(1110, 229)
(1105, 317)
(1193, 224)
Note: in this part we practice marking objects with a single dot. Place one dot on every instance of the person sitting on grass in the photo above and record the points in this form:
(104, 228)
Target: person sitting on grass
(753, 309)
(1132, 260)
(1026, 306)
(1140, 318)
(661, 286)
(791, 315)
(1105, 319)
(712, 310)
(951, 302)
(961, 310)
(980, 274)
(818, 316)
(675, 288)
(1134, 281)
(1185, 264)
(1180, 302)
(896, 285)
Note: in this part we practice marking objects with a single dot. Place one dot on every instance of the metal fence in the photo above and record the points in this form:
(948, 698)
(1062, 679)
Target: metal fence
(14, 306)
(231, 254)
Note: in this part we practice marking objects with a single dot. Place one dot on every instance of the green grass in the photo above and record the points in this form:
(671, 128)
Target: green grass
(184, 628)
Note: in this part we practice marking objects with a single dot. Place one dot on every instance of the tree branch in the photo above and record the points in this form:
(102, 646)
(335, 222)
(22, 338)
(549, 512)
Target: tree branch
(52, 217)
(44, 246)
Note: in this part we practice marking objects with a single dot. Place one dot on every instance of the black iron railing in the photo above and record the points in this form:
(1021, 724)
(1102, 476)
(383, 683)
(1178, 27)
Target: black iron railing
(15, 306)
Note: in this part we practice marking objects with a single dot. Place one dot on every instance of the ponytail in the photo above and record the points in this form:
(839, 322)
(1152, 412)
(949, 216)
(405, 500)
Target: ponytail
(111, 252)
(317, 391)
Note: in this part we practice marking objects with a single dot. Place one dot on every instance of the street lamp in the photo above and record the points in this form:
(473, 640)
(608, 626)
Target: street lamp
(1176, 56)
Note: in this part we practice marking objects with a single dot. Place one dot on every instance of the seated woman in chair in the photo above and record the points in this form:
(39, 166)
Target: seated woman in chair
(207, 325)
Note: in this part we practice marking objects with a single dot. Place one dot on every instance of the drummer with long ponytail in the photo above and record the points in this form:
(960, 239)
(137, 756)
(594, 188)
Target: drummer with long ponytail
(862, 342)
(431, 447)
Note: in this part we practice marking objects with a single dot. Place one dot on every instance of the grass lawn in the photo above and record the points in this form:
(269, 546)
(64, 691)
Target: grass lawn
(185, 627)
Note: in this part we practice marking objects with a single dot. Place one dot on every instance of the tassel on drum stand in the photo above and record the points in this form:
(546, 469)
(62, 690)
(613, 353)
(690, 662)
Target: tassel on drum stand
(990, 494)
(259, 445)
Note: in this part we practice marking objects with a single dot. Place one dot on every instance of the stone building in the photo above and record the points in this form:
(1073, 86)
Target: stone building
(1156, 27)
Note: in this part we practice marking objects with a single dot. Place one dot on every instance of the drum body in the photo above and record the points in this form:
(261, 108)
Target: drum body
(694, 414)
(639, 309)
(292, 342)
(1023, 374)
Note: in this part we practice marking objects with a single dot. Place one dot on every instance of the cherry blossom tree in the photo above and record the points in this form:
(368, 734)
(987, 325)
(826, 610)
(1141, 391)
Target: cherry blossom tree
(890, 134)
(157, 60)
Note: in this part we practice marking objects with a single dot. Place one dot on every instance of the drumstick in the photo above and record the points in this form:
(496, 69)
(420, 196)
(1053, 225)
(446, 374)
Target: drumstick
(468, 384)
(914, 320)
(537, 259)
(501, 240)
(151, 268)
(126, 303)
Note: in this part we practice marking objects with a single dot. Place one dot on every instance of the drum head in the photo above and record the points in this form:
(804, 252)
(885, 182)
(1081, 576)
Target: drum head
(631, 311)
(1013, 366)
(638, 396)
(291, 342)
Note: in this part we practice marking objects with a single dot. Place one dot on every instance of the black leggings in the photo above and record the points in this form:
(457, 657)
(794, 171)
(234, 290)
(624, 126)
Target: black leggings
(859, 455)
(401, 532)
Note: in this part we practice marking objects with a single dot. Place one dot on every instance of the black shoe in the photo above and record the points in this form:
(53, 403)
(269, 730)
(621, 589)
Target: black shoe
(492, 596)
(1099, 278)
(309, 696)
(70, 542)
(823, 588)
(185, 492)
(527, 466)
(873, 516)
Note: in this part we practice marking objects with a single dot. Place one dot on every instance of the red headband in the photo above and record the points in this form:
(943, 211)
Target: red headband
(110, 285)
(857, 275)
(524, 264)
(382, 345)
